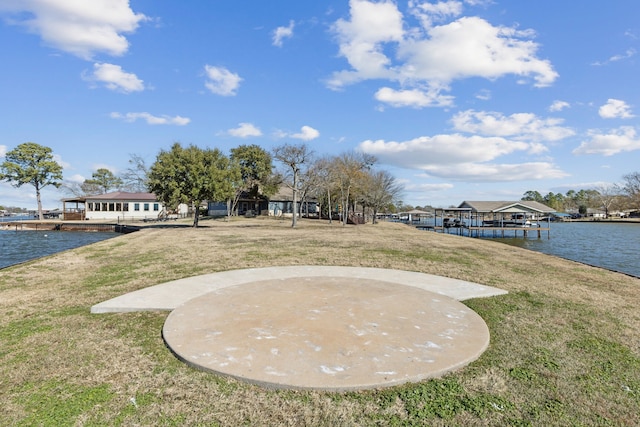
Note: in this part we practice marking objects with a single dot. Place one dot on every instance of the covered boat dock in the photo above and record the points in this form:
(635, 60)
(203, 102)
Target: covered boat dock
(493, 219)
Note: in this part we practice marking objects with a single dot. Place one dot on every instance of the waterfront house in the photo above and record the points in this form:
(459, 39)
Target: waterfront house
(117, 206)
(280, 204)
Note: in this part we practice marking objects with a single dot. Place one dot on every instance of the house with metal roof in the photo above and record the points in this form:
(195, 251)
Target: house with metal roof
(496, 207)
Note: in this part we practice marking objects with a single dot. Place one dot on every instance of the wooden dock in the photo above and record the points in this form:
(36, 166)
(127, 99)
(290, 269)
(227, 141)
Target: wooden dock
(489, 231)
(66, 226)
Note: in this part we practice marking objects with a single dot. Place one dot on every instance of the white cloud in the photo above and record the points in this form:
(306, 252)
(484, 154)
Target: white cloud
(151, 119)
(485, 172)
(58, 159)
(3, 150)
(221, 81)
(484, 95)
(245, 130)
(75, 179)
(460, 157)
(522, 126)
(115, 78)
(428, 13)
(631, 52)
(411, 186)
(433, 56)
(281, 33)
(559, 106)
(361, 41)
(81, 28)
(413, 98)
(626, 55)
(471, 47)
(615, 109)
(307, 133)
(619, 140)
(423, 151)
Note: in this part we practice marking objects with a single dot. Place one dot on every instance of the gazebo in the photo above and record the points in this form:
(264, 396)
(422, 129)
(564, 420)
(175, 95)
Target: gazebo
(77, 210)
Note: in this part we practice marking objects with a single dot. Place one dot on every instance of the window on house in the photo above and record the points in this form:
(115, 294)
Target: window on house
(125, 207)
(136, 206)
(146, 206)
(156, 207)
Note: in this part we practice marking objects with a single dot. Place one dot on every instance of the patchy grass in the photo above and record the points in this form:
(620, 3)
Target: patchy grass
(565, 342)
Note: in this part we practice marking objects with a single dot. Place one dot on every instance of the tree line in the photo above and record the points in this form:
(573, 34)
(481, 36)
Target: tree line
(621, 196)
(192, 175)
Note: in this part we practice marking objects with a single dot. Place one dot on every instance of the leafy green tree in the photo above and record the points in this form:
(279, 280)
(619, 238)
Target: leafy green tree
(255, 167)
(190, 175)
(31, 163)
(533, 196)
(570, 200)
(101, 182)
(555, 201)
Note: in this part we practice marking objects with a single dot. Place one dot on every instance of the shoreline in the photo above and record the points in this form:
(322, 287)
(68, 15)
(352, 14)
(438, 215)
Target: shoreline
(59, 225)
(133, 226)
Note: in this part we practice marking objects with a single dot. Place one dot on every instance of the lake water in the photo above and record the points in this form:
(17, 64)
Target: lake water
(20, 246)
(615, 246)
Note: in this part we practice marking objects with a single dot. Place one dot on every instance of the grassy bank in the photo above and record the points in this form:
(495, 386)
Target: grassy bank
(565, 341)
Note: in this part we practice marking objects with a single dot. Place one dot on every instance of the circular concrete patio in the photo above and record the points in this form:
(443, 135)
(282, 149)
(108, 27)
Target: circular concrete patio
(326, 332)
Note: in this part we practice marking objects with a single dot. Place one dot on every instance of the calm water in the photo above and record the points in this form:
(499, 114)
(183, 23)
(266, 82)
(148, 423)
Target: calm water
(615, 246)
(20, 246)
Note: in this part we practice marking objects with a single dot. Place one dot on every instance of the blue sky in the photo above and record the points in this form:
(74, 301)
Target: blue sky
(459, 100)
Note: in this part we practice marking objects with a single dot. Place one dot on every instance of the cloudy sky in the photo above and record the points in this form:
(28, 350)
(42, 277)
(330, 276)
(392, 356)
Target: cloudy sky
(460, 100)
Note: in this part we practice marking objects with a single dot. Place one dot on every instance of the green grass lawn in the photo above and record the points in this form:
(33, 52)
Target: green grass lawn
(565, 340)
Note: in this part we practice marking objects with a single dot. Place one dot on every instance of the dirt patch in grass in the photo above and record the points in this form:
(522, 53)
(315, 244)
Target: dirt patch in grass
(565, 342)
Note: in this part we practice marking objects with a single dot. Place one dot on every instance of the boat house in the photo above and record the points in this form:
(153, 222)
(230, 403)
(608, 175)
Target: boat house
(495, 218)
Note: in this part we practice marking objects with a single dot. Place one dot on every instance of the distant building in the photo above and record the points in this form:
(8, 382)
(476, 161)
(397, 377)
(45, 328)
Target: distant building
(280, 204)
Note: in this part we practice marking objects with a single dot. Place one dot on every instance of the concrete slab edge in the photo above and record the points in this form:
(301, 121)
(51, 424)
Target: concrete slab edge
(169, 295)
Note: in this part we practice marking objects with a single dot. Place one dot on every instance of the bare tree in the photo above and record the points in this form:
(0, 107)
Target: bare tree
(135, 177)
(347, 170)
(607, 195)
(381, 190)
(325, 181)
(294, 158)
(631, 188)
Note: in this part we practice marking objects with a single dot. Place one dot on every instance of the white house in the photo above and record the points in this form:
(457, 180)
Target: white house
(116, 206)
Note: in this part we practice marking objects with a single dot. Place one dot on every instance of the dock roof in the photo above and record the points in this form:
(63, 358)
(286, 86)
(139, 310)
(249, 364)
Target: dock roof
(507, 206)
(117, 195)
